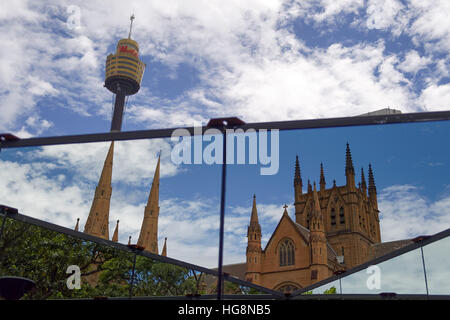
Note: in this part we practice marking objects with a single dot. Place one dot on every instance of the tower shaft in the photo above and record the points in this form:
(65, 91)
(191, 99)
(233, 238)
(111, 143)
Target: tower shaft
(119, 105)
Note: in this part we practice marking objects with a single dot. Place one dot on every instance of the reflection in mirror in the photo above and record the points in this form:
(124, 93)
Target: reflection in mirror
(402, 275)
(437, 265)
(377, 187)
(155, 278)
(134, 182)
(62, 266)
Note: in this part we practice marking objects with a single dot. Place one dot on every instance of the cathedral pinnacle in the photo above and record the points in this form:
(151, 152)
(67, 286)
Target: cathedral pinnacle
(254, 217)
(164, 250)
(148, 237)
(115, 237)
(322, 178)
(297, 175)
(372, 188)
(363, 182)
(348, 161)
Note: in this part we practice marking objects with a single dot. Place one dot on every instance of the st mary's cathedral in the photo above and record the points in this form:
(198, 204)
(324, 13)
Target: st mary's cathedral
(334, 229)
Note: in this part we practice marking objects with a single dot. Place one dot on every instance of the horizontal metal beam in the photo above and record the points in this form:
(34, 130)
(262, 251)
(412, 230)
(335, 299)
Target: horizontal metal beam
(280, 125)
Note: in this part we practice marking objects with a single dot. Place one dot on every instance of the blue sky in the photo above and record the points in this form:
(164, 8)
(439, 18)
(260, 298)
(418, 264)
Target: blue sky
(259, 61)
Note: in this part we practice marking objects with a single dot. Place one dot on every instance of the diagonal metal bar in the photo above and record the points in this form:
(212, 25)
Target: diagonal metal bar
(280, 125)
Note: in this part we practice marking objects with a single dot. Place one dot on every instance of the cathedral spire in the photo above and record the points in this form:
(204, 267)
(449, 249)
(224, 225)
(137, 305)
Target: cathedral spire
(297, 174)
(349, 169)
(363, 182)
(115, 237)
(77, 225)
(254, 227)
(254, 216)
(153, 197)
(309, 187)
(298, 184)
(372, 188)
(97, 223)
(253, 245)
(322, 178)
(148, 237)
(164, 250)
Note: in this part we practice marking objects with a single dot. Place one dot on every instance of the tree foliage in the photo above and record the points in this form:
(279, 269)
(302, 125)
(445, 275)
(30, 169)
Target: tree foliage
(43, 256)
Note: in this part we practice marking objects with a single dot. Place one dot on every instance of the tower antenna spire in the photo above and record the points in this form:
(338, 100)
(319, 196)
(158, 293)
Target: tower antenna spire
(131, 25)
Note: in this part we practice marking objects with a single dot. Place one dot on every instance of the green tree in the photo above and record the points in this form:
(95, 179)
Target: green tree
(43, 256)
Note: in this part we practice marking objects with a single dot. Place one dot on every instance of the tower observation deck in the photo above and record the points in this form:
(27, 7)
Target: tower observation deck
(123, 75)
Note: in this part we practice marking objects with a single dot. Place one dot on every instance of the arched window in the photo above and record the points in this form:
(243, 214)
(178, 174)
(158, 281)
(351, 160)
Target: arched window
(287, 253)
(333, 217)
(341, 216)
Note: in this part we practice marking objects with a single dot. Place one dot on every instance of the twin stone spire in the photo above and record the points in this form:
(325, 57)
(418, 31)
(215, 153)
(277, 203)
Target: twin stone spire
(97, 223)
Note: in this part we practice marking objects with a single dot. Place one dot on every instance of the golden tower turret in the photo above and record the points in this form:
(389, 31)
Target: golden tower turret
(123, 74)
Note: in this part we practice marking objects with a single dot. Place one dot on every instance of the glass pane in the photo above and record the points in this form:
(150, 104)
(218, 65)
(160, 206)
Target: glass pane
(59, 184)
(402, 275)
(62, 266)
(400, 196)
(437, 264)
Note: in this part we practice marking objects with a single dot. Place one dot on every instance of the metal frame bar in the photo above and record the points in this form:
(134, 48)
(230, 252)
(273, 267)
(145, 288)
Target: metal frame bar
(388, 256)
(84, 236)
(280, 125)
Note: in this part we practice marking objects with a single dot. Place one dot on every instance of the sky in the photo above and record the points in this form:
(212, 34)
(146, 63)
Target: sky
(257, 60)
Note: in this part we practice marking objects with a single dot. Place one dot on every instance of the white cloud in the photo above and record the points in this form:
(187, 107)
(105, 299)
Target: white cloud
(405, 213)
(432, 24)
(436, 97)
(386, 14)
(86, 160)
(413, 62)
(248, 65)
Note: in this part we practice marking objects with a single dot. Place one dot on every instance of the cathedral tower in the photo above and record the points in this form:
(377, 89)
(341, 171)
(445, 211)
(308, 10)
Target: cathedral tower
(148, 237)
(319, 255)
(254, 250)
(97, 223)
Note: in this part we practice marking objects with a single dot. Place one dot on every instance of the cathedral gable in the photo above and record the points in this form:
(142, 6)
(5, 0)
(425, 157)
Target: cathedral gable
(286, 228)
